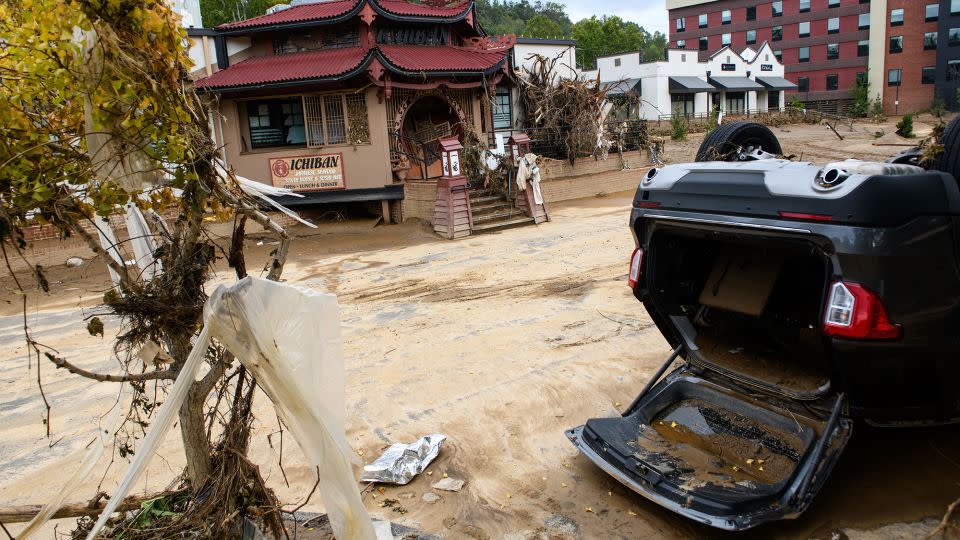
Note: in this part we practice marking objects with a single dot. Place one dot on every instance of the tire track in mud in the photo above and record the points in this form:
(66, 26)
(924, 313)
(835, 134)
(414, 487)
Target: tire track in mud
(423, 290)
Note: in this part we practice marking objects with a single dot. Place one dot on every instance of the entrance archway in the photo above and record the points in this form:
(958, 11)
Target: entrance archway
(425, 121)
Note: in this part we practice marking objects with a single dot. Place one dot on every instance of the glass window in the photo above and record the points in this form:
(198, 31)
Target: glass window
(833, 82)
(804, 6)
(896, 44)
(681, 24)
(803, 54)
(863, 47)
(276, 122)
(751, 36)
(751, 13)
(953, 37)
(929, 75)
(833, 51)
(833, 25)
(777, 33)
(725, 17)
(724, 39)
(953, 68)
(778, 55)
(833, 3)
(863, 21)
(861, 77)
(776, 8)
(501, 109)
(896, 17)
(682, 104)
(954, 7)
(681, 44)
(930, 40)
(893, 77)
(704, 44)
(931, 12)
(736, 102)
(803, 84)
(702, 20)
(804, 28)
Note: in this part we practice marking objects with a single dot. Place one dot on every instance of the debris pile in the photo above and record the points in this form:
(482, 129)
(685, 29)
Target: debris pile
(565, 113)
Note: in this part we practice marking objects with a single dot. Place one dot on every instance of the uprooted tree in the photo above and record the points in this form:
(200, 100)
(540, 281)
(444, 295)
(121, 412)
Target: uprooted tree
(97, 111)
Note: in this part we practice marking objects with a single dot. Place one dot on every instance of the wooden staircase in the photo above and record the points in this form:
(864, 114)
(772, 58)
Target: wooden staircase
(493, 212)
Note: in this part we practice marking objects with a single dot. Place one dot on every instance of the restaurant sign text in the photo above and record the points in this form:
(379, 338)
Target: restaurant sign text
(308, 173)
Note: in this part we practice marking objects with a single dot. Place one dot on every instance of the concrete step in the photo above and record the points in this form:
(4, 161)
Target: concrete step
(484, 199)
(490, 208)
(501, 224)
(493, 216)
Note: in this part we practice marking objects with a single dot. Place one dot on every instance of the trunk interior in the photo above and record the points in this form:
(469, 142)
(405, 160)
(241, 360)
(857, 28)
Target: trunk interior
(750, 306)
(702, 441)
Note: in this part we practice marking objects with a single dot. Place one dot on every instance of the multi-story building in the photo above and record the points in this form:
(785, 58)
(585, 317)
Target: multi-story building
(826, 44)
(948, 52)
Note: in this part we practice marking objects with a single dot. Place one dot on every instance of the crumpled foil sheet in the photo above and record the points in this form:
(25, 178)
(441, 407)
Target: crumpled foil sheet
(401, 462)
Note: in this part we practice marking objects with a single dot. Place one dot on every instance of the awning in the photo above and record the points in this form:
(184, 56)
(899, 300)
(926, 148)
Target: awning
(689, 85)
(619, 88)
(776, 83)
(735, 83)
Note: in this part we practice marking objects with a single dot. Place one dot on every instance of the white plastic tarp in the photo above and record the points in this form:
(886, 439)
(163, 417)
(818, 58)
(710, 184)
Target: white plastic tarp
(289, 339)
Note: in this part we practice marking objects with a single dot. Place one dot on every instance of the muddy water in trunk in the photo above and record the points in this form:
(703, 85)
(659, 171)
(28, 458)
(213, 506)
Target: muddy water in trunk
(711, 445)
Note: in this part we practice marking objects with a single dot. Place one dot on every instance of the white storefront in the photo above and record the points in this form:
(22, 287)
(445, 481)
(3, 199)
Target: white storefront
(738, 83)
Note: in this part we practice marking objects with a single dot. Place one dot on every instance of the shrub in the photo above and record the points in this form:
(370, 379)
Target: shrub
(712, 119)
(938, 108)
(795, 102)
(860, 93)
(678, 125)
(905, 126)
(876, 110)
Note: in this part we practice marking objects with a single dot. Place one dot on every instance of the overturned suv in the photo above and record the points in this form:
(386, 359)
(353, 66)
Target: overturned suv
(799, 297)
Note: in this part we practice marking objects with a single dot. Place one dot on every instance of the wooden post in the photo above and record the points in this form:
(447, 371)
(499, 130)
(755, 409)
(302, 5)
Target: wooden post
(452, 216)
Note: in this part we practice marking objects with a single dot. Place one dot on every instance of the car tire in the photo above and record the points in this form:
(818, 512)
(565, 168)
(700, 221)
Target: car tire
(722, 143)
(949, 160)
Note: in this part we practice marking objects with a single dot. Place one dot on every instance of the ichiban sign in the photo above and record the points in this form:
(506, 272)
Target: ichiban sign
(308, 173)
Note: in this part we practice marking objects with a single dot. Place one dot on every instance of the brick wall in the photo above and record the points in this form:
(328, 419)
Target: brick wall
(912, 93)
(419, 200)
(561, 181)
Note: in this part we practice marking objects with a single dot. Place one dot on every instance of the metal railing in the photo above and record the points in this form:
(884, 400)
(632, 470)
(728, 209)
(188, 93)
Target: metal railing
(427, 156)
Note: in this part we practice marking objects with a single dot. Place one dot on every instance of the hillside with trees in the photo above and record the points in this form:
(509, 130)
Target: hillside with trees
(596, 36)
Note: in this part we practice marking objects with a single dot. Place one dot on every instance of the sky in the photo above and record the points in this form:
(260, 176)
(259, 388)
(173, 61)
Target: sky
(650, 14)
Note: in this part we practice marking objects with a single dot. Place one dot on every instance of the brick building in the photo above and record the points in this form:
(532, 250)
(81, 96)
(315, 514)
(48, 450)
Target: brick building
(826, 44)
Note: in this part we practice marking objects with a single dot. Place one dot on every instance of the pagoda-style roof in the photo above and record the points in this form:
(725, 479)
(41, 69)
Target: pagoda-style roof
(280, 69)
(330, 65)
(335, 11)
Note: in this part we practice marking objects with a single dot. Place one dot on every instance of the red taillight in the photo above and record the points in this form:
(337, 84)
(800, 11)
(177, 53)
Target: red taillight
(636, 264)
(805, 217)
(854, 311)
(647, 204)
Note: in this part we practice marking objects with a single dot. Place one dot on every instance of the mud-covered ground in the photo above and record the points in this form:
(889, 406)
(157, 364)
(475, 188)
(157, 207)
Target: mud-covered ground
(499, 341)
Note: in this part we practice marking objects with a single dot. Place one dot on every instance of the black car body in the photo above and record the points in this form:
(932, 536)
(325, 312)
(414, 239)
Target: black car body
(800, 297)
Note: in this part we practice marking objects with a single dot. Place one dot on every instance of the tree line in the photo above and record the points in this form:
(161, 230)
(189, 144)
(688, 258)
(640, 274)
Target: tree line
(596, 36)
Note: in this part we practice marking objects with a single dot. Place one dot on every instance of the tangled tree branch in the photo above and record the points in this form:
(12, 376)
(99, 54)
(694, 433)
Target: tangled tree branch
(103, 377)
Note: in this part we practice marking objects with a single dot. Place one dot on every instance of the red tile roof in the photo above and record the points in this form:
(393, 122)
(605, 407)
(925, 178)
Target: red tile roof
(403, 7)
(440, 58)
(301, 13)
(320, 64)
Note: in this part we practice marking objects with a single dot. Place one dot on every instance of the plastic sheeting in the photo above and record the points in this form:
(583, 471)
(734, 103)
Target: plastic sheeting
(143, 242)
(529, 172)
(289, 339)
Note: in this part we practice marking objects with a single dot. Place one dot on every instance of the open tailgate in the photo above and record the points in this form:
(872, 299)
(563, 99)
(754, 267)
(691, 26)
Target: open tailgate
(698, 444)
